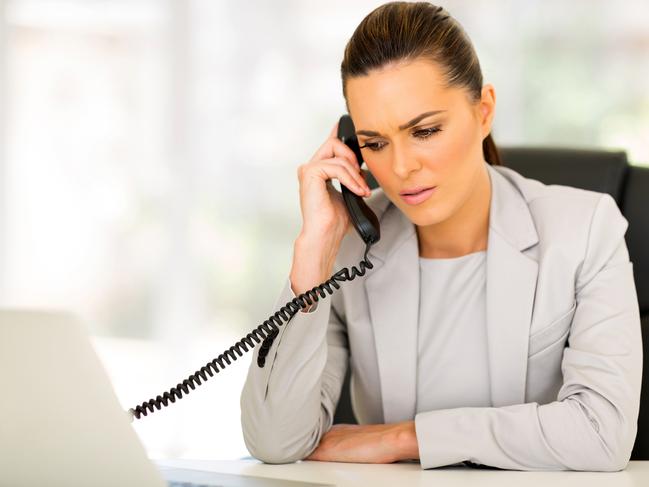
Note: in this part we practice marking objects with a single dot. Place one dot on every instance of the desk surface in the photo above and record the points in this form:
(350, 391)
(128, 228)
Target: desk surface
(410, 473)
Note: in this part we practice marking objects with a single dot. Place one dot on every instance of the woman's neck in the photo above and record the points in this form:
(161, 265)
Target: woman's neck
(465, 232)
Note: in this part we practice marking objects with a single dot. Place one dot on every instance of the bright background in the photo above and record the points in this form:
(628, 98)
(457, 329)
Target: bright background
(149, 152)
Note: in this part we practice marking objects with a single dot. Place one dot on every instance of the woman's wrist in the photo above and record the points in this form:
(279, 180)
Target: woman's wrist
(406, 441)
(312, 264)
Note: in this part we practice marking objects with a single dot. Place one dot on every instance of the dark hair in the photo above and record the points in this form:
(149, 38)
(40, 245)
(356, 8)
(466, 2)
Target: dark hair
(406, 31)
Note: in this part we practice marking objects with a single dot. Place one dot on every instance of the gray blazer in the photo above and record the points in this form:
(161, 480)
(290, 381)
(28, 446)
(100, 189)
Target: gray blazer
(564, 342)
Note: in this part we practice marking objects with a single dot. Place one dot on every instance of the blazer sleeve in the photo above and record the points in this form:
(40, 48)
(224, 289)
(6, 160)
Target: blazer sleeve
(593, 423)
(288, 405)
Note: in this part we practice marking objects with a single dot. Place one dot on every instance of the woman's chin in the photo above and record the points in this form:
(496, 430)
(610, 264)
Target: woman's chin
(425, 215)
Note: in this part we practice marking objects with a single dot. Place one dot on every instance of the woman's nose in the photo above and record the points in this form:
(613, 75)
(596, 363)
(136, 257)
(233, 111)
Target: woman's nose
(403, 163)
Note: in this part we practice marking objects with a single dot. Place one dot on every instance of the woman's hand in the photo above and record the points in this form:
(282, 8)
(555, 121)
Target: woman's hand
(325, 219)
(323, 210)
(373, 443)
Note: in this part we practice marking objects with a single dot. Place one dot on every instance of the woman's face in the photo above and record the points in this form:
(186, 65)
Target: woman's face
(420, 156)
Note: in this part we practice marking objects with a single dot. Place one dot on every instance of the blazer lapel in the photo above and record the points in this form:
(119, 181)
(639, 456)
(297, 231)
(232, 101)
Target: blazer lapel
(392, 289)
(510, 291)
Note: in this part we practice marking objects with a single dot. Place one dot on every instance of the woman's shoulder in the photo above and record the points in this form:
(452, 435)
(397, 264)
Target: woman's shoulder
(540, 195)
(558, 202)
(558, 208)
(575, 224)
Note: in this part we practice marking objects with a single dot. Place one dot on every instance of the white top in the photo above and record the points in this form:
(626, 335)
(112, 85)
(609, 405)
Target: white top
(452, 365)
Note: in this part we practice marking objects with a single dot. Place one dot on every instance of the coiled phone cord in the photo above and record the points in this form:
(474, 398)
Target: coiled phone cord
(268, 330)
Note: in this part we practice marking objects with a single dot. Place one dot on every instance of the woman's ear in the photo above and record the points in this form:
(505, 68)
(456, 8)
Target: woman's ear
(487, 108)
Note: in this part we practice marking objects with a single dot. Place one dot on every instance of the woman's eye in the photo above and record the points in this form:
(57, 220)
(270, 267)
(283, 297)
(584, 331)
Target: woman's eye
(425, 133)
(420, 134)
(375, 147)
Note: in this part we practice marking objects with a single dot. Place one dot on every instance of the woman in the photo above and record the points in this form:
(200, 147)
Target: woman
(499, 324)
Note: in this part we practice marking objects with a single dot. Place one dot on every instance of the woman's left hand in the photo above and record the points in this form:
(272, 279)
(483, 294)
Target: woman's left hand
(373, 443)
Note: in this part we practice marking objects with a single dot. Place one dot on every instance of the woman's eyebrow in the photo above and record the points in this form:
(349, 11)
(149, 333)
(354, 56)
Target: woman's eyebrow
(418, 118)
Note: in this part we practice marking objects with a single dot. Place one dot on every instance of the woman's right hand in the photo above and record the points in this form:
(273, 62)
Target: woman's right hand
(325, 219)
(323, 210)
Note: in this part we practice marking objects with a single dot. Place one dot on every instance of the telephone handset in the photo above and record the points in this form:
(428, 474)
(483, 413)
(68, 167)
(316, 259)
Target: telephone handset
(366, 224)
(362, 217)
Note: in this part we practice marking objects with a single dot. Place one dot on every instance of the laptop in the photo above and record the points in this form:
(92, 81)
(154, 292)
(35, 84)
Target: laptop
(61, 423)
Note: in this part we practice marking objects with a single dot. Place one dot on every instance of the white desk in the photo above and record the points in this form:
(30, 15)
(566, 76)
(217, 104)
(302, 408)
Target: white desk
(405, 474)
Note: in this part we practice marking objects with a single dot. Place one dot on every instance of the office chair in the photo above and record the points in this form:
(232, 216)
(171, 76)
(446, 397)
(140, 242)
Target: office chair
(596, 170)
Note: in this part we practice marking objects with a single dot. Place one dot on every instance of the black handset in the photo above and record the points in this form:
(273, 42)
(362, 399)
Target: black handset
(367, 226)
(363, 219)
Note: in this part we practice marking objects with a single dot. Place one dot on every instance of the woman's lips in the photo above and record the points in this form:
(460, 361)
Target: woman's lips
(415, 199)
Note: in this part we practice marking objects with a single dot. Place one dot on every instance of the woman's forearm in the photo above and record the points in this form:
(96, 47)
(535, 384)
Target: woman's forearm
(368, 443)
